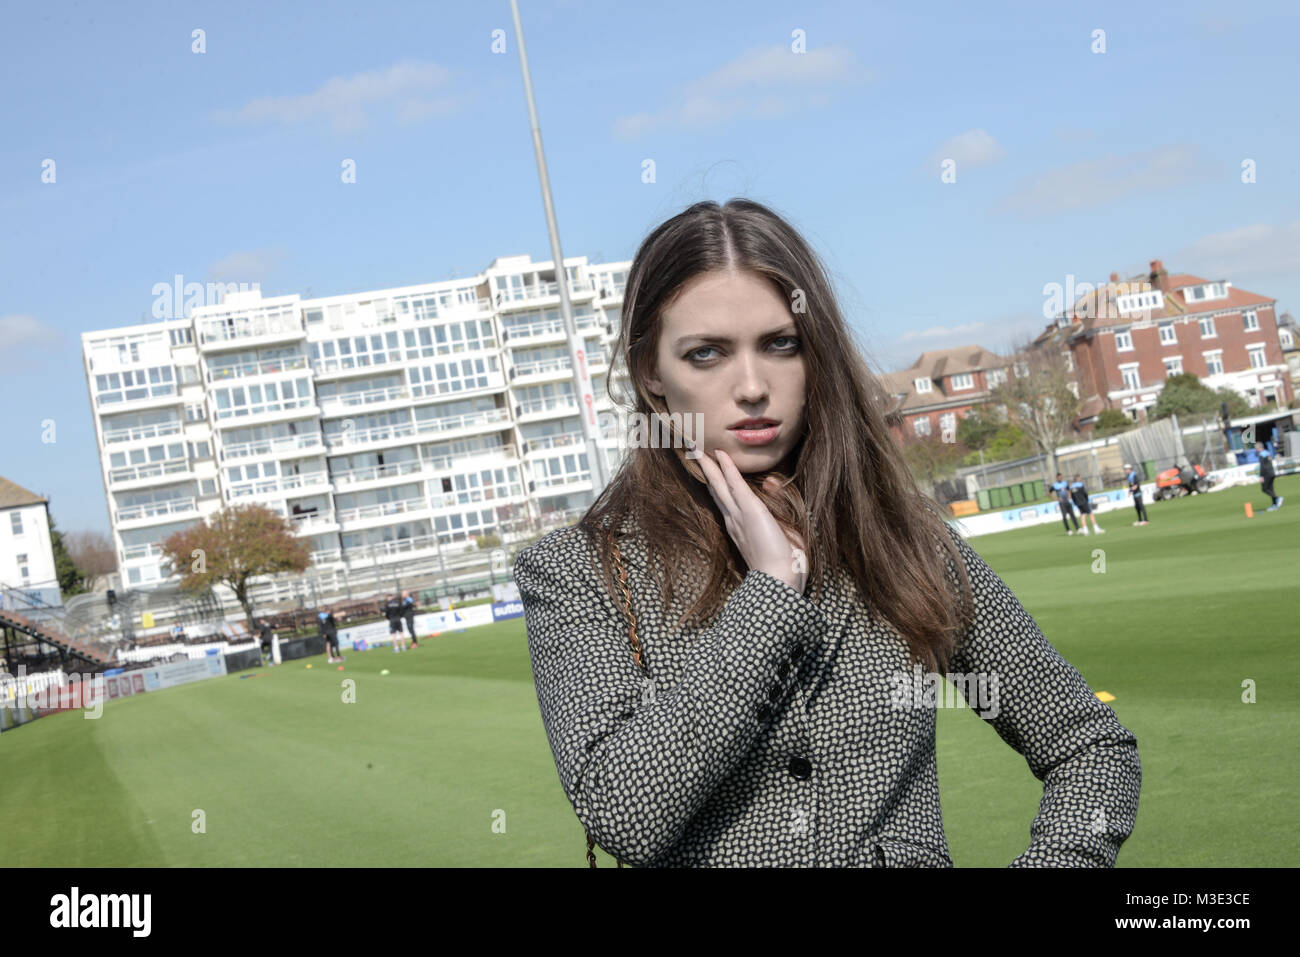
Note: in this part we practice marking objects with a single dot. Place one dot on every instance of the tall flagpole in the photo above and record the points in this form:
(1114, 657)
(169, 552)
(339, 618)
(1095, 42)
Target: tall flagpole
(578, 358)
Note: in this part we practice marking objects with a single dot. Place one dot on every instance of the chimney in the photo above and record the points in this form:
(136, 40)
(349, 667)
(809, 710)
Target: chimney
(1114, 277)
(1159, 278)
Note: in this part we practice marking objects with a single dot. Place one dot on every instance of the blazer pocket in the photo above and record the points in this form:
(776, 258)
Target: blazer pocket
(900, 852)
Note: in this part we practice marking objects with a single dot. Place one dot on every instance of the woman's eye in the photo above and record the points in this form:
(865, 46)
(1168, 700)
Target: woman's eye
(693, 355)
(791, 339)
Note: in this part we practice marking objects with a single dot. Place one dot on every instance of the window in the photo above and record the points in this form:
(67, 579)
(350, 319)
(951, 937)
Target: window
(1207, 328)
(16, 522)
(1069, 361)
(1214, 362)
(948, 427)
(1251, 321)
(996, 377)
(922, 385)
(1022, 369)
(1168, 336)
(182, 337)
(1140, 301)
(1130, 374)
(922, 426)
(962, 381)
(189, 375)
(1173, 365)
(133, 384)
(194, 413)
(199, 450)
(22, 567)
(263, 397)
(207, 486)
(1074, 388)
(1256, 356)
(1123, 341)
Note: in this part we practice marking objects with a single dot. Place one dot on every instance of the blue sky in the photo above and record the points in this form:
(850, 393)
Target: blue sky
(225, 165)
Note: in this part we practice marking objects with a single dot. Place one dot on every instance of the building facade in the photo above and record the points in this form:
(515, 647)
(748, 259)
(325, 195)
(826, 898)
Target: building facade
(1127, 337)
(383, 424)
(937, 391)
(26, 552)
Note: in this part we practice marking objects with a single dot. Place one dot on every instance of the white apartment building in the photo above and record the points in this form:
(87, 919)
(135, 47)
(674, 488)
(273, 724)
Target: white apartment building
(384, 424)
(26, 554)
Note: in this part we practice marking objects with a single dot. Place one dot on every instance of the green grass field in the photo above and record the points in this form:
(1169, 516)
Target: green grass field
(433, 758)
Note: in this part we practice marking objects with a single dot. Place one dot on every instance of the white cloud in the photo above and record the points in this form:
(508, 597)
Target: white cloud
(248, 265)
(346, 101)
(969, 150)
(1106, 180)
(1260, 251)
(941, 332)
(764, 81)
(20, 332)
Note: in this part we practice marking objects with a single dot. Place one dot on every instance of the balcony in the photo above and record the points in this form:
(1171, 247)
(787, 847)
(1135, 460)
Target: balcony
(377, 472)
(293, 408)
(382, 509)
(154, 510)
(545, 408)
(401, 546)
(326, 555)
(547, 329)
(275, 446)
(264, 367)
(352, 400)
(164, 393)
(562, 440)
(311, 523)
(247, 331)
(468, 460)
(527, 295)
(276, 486)
(559, 481)
(133, 552)
(467, 421)
(150, 470)
(142, 432)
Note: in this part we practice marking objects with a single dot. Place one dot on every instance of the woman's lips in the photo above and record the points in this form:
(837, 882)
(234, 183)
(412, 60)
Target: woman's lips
(757, 436)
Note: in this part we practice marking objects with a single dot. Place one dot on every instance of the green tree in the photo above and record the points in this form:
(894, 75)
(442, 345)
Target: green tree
(1186, 395)
(931, 458)
(978, 427)
(71, 580)
(233, 547)
(1111, 422)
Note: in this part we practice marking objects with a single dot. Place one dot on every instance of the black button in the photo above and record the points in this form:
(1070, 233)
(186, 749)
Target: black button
(800, 768)
(775, 694)
(764, 713)
(783, 670)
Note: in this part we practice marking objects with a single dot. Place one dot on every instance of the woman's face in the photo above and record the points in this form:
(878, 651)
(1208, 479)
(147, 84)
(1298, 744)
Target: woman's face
(729, 349)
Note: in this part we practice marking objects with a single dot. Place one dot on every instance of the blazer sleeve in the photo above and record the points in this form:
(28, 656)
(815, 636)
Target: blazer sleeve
(1072, 741)
(636, 771)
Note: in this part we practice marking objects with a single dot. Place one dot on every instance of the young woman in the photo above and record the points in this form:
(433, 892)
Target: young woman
(788, 583)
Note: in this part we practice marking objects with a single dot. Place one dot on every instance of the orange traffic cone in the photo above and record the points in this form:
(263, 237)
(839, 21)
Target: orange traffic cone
(1250, 512)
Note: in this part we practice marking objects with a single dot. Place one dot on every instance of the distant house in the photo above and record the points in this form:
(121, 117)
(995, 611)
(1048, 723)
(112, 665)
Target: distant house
(939, 388)
(1126, 337)
(26, 556)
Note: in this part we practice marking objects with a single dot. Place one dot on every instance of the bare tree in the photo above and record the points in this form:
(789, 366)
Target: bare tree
(93, 554)
(1038, 398)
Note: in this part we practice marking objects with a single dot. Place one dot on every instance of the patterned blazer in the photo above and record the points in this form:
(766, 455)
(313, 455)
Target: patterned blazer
(787, 734)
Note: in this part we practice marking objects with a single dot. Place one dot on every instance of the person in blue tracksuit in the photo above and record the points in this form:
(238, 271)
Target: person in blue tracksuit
(1266, 475)
(1135, 489)
(1079, 493)
(1062, 490)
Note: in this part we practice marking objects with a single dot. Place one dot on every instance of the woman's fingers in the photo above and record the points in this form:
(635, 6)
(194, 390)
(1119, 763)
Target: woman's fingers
(718, 484)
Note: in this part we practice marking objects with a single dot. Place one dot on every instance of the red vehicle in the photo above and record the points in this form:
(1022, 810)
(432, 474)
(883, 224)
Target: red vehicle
(1176, 482)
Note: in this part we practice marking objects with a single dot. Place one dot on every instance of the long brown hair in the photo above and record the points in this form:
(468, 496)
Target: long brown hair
(845, 488)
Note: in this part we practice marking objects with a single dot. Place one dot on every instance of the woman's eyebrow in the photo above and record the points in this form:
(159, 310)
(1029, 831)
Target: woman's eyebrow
(786, 330)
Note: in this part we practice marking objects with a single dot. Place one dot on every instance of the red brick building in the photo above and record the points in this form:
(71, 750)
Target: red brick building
(1126, 338)
(936, 392)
